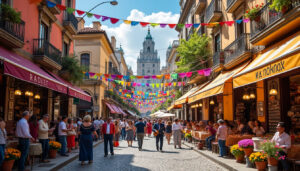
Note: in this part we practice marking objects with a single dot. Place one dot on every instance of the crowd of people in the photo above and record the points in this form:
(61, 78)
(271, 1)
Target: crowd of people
(74, 133)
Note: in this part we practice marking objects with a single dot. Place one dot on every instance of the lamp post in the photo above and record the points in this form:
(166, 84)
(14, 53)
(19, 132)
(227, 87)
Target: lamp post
(114, 2)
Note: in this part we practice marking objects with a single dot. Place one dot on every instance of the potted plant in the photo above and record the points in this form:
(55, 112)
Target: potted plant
(188, 136)
(10, 14)
(54, 147)
(253, 14)
(280, 5)
(272, 152)
(10, 156)
(238, 153)
(247, 145)
(259, 159)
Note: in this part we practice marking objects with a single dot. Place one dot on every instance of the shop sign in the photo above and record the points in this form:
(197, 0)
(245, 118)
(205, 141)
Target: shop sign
(270, 70)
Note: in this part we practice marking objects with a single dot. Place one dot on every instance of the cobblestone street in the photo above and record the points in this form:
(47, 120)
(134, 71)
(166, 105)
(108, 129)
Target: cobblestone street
(129, 158)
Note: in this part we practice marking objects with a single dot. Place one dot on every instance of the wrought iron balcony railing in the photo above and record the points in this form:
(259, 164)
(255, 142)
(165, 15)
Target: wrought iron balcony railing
(237, 48)
(218, 58)
(72, 19)
(15, 29)
(214, 6)
(42, 47)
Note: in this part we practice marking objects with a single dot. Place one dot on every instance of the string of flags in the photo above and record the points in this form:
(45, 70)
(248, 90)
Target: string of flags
(142, 23)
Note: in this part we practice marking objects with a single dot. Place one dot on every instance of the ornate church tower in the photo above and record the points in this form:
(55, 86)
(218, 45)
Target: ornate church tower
(148, 64)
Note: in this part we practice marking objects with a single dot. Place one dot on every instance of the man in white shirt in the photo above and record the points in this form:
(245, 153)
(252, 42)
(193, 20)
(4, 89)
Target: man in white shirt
(43, 136)
(97, 127)
(23, 133)
(62, 135)
(123, 131)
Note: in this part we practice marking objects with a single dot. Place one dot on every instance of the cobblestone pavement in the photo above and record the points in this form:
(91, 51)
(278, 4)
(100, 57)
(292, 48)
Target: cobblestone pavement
(130, 158)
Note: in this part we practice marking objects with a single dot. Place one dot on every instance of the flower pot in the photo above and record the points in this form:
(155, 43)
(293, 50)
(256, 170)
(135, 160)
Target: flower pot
(7, 165)
(239, 158)
(260, 165)
(248, 151)
(52, 154)
(200, 146)
(272, 161)
(257, 18)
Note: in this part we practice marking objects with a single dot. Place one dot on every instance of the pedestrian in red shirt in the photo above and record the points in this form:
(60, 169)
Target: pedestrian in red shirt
(108, 131)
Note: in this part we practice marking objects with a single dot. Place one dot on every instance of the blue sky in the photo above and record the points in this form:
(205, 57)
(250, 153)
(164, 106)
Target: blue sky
(131, 38)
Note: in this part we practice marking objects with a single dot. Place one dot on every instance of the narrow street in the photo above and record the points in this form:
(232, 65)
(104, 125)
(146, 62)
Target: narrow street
(129, 158)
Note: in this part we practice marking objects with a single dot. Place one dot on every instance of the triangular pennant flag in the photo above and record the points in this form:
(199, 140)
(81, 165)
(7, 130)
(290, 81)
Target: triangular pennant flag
(221, 23)
(70, 10)
(188, 25)
(126, 77)
(182, 75)
(50, 4)
(239, 21)
(132, 77)
(159, 76)
(172, 25)
(139, 77)
(174, 76)
(89, 15)
(180, 26)
(153, 76)
(196, 25)
(246, 20)
(167, 76)
(179, 84)
(97, 16)
(157, 85)
(229, 23)
(134, 23)
(79, 12)
(61, 7)
(152, 85)
(154, 24)
(120, 76)
(201, 72)
(104, 18)
(189, 74)
(207, 72)
(144, 24)
(114, 20)
(91, 74)
(127, 21)
(163, 25)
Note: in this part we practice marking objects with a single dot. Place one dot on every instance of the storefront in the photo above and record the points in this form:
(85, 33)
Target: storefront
(275, 74)
(216, 97)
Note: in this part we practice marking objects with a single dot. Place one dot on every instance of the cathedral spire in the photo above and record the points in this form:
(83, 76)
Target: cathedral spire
(148, 35)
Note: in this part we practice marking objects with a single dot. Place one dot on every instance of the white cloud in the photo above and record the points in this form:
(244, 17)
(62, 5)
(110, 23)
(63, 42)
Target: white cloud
(132, 37)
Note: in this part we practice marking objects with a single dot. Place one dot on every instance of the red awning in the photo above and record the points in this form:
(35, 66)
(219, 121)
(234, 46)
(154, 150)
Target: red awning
(73, 90)
(112, 110)
(23, 69)
(116, 109)
(122, 111)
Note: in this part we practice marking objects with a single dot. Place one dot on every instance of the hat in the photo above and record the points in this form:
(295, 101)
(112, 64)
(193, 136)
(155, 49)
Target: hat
(220, 121)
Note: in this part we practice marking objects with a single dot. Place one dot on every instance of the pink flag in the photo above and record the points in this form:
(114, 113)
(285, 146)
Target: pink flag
(181, 75)
(189, 74)
(179, 84)
(201, 72)
(207, 72)
(188, 25)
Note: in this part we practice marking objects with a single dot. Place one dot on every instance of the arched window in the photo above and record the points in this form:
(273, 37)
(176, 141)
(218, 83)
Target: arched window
(148, 49)
(153, 65)
(85, 60)
(148, 71)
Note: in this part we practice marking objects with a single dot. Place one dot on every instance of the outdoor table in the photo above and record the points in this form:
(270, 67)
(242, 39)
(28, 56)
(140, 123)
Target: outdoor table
(234, 139)
(52, 138)
(12, 143)
(35, 149)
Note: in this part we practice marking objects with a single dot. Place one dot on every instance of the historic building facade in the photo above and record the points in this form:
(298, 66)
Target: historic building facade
(148, 64)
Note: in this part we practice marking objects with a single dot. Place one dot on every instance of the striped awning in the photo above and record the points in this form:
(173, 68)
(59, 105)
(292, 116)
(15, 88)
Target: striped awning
(278, 59)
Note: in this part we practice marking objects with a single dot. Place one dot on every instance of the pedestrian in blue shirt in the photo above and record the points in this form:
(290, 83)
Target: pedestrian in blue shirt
(140, 126)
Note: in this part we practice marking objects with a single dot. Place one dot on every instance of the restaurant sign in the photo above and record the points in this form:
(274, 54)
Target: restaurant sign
(290, 63)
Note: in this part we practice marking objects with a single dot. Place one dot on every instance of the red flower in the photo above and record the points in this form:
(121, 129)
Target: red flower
(256, 5)
(247, 12)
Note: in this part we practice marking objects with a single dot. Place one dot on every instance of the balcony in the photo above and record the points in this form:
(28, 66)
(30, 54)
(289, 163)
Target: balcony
(55, 10)
(274, 25)
(218, 61)
(200, 6)
(70, 23)
(213, 11)
(46, 54)
(12, 34)
(232, 5)
(114, 70)
(238, 51)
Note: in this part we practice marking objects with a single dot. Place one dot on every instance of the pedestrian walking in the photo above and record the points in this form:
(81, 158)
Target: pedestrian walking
(130, 133)
(159, 129)
(168, 131)
(140, 126)
(43, 135)
(97, 127)
(221, 137)
(177, 132)
(3, 137)
(71, 135)
(117, 133)
(123, 129)
(149, 128)
(86, 140)
(62, 135)
(23, 133)
(108, 131)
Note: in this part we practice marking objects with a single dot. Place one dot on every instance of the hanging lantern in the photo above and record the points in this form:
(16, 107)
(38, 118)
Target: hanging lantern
(273, 91)
(37, 97)
(246, 97)
(212, 102)
(252, 95)
(18, 92)
(28, 93)
(200, 104)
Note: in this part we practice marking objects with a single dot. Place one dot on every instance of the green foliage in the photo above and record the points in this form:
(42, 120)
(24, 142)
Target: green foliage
(178, 94)
(73, 70)
(10, 14)
(193, 53)
(278, 5)
(271, 149)
(118, 99)
(253, 13)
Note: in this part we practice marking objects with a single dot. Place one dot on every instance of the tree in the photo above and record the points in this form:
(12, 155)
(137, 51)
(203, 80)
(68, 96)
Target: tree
(193, 53)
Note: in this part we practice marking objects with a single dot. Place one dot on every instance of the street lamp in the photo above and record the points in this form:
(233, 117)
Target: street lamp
(114, 2)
